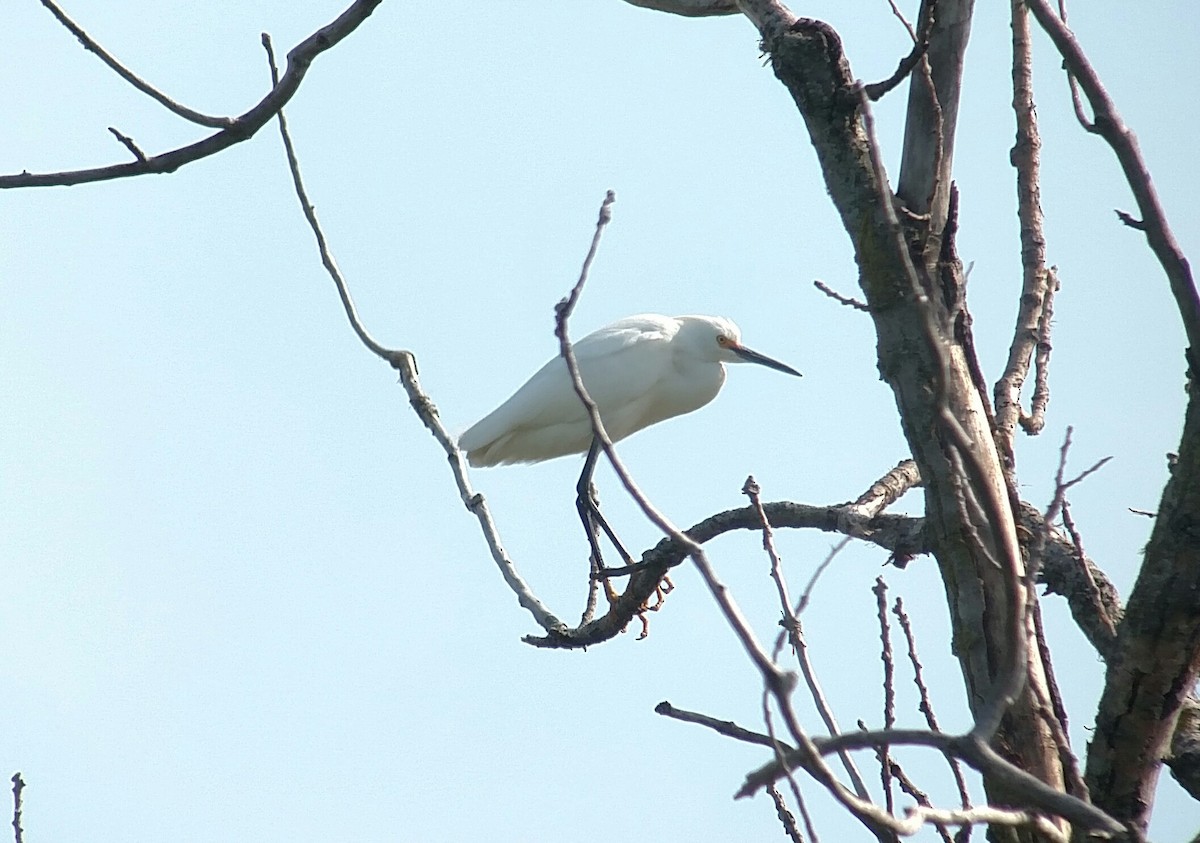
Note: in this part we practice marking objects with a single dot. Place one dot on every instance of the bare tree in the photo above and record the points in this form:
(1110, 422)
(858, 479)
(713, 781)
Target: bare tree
(991, 547)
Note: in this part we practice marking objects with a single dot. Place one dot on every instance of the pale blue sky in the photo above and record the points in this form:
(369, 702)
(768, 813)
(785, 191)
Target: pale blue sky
(241, 599)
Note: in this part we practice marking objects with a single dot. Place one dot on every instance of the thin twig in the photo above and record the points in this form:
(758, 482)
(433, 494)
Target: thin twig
(1076, 100)
(772, 674)
(785, 816)
(310, 214)
(889, 690)
(242, 128)
(1029, 789)
(925, 705)
(128, 143)
(406, 364)
(849, 301)
(1051, 708)
(598, 574)
(1073, 532)
(777, 747)
(1110, 126)
(899, 15)
(132, 78)
(1091, 596)
(793, 631)
(1085, 572)
(777, 683)
(18, 784)
(806, 595)
(1061, 485)
(857, 803)
(1053, 712)
(876, 90)
(907, 785)
(1058, 503)
(722, 727)
(751, 490)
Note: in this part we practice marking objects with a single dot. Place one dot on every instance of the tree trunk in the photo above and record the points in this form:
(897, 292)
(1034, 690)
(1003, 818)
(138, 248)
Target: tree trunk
(922, 357)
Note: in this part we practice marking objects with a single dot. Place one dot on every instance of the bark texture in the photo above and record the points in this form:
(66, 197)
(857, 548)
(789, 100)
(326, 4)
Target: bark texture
(1154, 667)
(931, 378)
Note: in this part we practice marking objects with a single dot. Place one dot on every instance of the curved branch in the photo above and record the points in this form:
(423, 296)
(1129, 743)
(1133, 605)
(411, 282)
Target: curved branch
(1033, 325)
(1109, 125)
(1032, 791)
(132, 78)
(406, 364)
(689, 8)
(901, 534)
(240, 129)
(1155, 659)
(775, 679)
(1090, 595)
(876, 90)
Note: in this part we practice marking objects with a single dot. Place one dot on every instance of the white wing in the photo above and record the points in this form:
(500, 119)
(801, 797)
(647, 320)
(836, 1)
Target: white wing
(620, 364)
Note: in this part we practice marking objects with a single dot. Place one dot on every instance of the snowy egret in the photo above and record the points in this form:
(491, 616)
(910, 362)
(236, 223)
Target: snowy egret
(639, 370)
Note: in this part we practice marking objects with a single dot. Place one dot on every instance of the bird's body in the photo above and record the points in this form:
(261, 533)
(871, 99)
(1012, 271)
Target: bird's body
(639, 370)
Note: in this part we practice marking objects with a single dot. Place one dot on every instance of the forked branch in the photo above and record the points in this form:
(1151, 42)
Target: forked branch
(1038, 282)
(235, 131)
(405, 363)
(1107, 123)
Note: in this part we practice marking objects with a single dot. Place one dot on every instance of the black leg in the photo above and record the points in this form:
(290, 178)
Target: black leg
(589, 508)
(585, 503)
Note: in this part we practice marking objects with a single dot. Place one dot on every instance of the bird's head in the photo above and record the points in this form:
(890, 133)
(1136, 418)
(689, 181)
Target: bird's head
(720, 339)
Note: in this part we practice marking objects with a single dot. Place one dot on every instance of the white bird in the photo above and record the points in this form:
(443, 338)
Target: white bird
(639, 370)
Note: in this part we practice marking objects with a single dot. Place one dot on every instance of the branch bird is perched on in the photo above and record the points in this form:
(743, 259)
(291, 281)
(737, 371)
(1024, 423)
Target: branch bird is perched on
(639, 370)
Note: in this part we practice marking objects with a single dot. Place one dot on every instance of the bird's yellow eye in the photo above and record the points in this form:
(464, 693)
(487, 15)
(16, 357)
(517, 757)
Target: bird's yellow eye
(722, 340)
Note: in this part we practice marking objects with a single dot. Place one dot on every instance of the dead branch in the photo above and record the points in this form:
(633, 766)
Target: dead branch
(18, 785)
(876, 90)
(1033, 325)
(1033, 792)
(689, 8)
(1033, 421)
(785, 816)
(1109, 125)
(925, 706)
(793, 630)
(132, 78)
(900, 534)
(772, 675)
(722, 727)
(406, 364)
(889, 690)
(849, 301)
(908, 785)
(239, 129)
